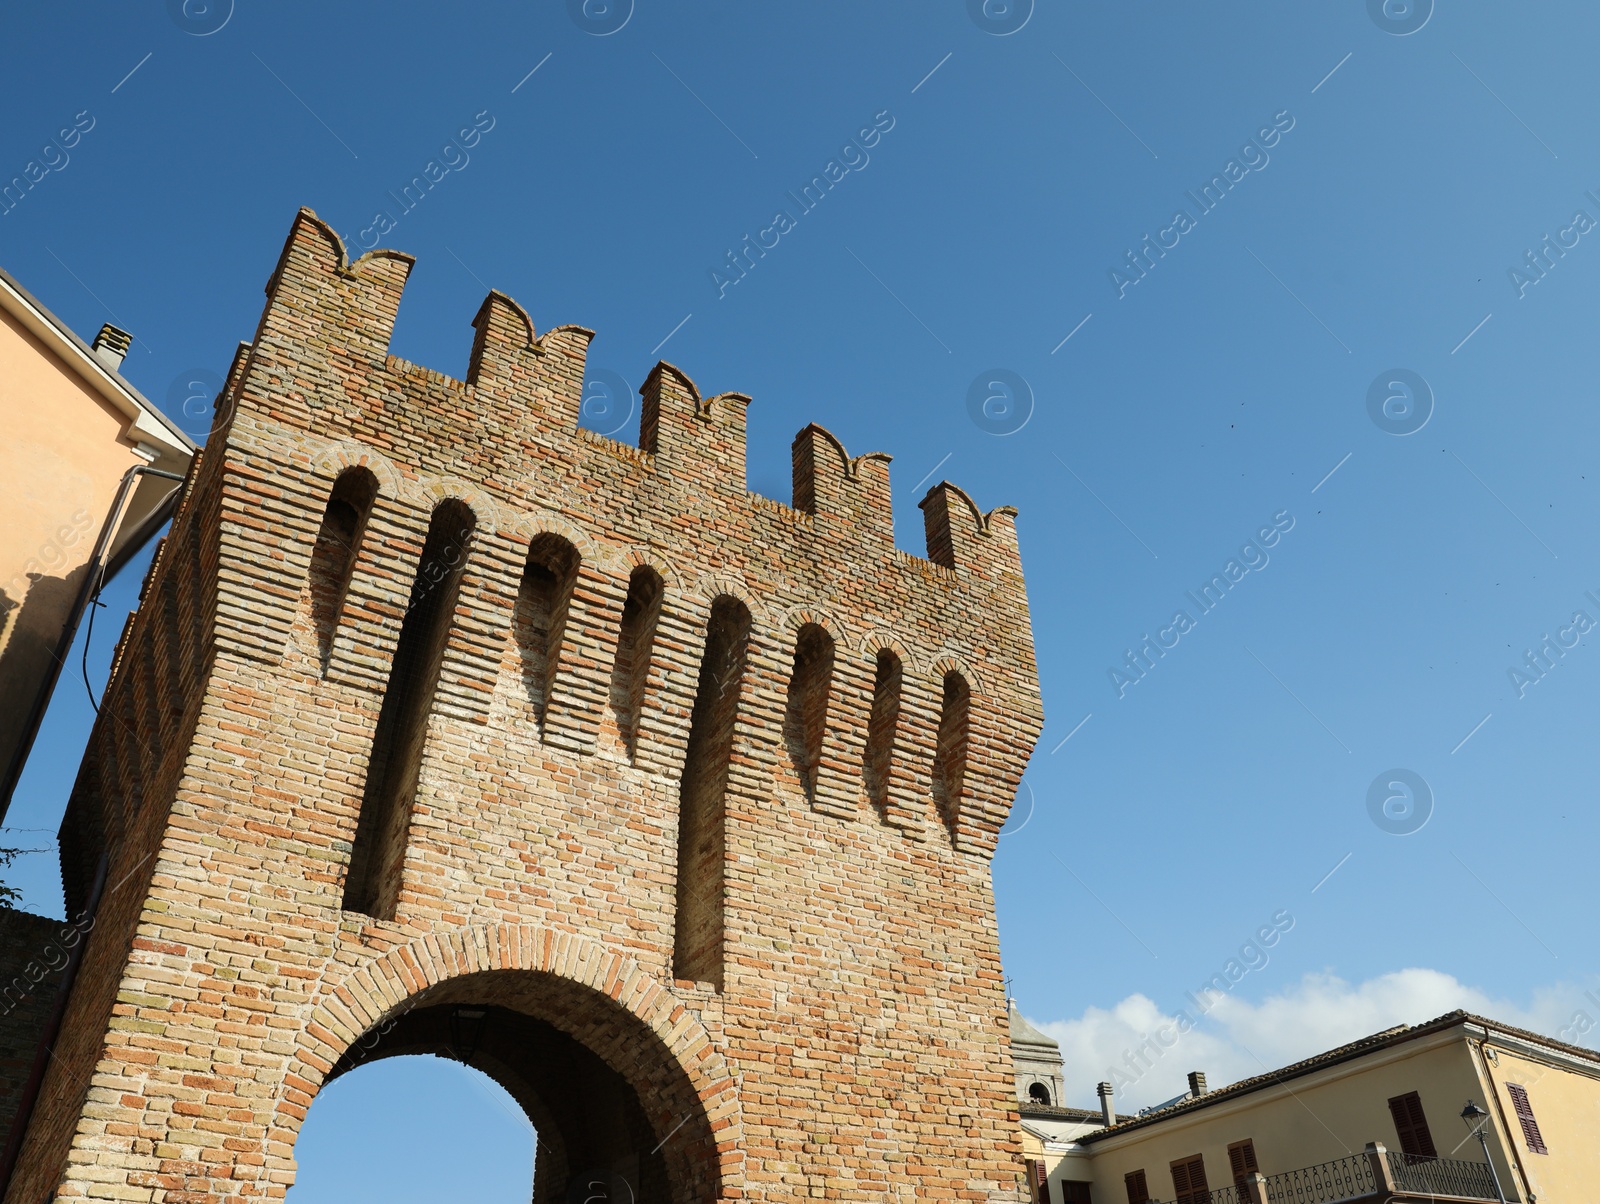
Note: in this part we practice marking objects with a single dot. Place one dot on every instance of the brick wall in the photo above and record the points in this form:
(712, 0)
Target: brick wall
(842, 1030)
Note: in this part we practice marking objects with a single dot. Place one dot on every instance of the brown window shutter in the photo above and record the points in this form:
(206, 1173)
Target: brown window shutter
(1075, 1191)
(1040, 1181)
(1524, 1110)
(1138, 1191)
(1411, 1125)
(1189, 1181)
(1242, 1161)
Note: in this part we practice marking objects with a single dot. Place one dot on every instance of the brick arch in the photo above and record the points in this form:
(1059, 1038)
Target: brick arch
(334, 458)
(709, 588)
(525, 528)
(790, 621)
(878, 640)
(635, 557)
(383, 990)
(949, 662)
(432, 492)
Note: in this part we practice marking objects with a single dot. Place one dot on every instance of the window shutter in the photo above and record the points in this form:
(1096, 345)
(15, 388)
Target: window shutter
(1524, 1110)
(1075, 1192)
(1138, 1192)
(1040, 1181)
(1189, 1181)
(1180, 1181)
(1411, 1125)
(1242, 1160)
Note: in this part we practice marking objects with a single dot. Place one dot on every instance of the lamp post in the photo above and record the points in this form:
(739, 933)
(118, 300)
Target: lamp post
(466, 1031)
(1475, 1118)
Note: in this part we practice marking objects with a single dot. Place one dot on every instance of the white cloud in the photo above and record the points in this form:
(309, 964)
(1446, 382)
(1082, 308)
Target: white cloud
(1139, 1046)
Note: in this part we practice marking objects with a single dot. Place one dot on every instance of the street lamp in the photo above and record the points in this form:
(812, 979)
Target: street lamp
(466, 1031)
(1475, 1118)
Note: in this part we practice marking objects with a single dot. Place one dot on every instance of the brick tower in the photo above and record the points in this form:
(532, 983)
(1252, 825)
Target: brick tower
(446, 726)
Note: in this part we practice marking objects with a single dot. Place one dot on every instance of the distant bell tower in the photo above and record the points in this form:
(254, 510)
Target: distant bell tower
(1038, 1063)
(446, 726)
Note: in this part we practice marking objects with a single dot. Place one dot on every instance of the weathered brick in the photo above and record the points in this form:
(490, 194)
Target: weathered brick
(841, 1029)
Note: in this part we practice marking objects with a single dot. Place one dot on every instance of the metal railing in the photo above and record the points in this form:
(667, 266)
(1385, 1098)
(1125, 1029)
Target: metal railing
(1442, 1177)
(1230, 1194)
(1216, 1195)
(1234, 1194)
(1355, 1177)
(1341, 1179)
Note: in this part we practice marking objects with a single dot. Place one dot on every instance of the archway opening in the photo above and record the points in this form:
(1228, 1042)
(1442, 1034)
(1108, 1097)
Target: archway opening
(616, 1116)
(414, 1129)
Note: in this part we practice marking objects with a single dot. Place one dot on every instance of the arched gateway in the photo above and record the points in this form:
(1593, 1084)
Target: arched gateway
(447, 726)
(622, 1084)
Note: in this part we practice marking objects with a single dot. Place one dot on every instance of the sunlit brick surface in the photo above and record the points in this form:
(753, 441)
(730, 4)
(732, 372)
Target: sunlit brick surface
(855, 1047)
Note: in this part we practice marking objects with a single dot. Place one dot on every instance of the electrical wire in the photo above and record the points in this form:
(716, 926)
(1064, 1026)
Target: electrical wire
(88, 634)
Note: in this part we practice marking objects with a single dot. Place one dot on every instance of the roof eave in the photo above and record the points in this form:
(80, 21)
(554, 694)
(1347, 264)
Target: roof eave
(1337, 1056)
(147, 425)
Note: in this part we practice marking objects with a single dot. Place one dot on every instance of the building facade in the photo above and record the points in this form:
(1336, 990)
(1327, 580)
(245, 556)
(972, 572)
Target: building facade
(90, 469)
(447, 726)
(1379, 1119)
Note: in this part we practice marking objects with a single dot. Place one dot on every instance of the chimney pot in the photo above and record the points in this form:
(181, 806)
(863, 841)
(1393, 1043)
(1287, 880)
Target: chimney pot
(110, 346)
(1197, 1082)
(1107, 1112)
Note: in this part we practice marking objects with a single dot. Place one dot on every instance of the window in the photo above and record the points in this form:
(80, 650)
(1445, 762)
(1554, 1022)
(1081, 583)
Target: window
(1039, 1181)
(377, 853)
(1138, 1190)
(199, 628)
(152, 675)
(1039, 1093)
(1242, 1161)
(178, 651)
(333, 556)
(1189, 1181)
(1416, 1143)
(702, 805)
(805, 722)
(541, 614)
(950, 758)
(881, 726)
(1524, 1111)
(631, 670)
(1075, 1192)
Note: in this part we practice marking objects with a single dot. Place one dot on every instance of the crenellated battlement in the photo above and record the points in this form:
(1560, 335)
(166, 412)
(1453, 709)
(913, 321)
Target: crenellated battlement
(506, 442)
(342, 313)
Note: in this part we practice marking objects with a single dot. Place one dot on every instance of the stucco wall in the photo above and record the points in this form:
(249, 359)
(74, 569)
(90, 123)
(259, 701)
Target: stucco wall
(1307, 1121)
(1566, 1106)
(61, 459)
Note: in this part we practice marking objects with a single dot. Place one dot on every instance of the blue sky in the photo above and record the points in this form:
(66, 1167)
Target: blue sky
(1368, 237)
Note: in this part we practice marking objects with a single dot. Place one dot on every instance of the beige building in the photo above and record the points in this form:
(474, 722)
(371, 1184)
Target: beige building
(1050, 1128)
(1379, 1119)
(88, 465)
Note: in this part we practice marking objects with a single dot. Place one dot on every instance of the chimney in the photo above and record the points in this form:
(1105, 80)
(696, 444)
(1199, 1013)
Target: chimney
(1107, 1112)
(110, 346)
(1197, 1082)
